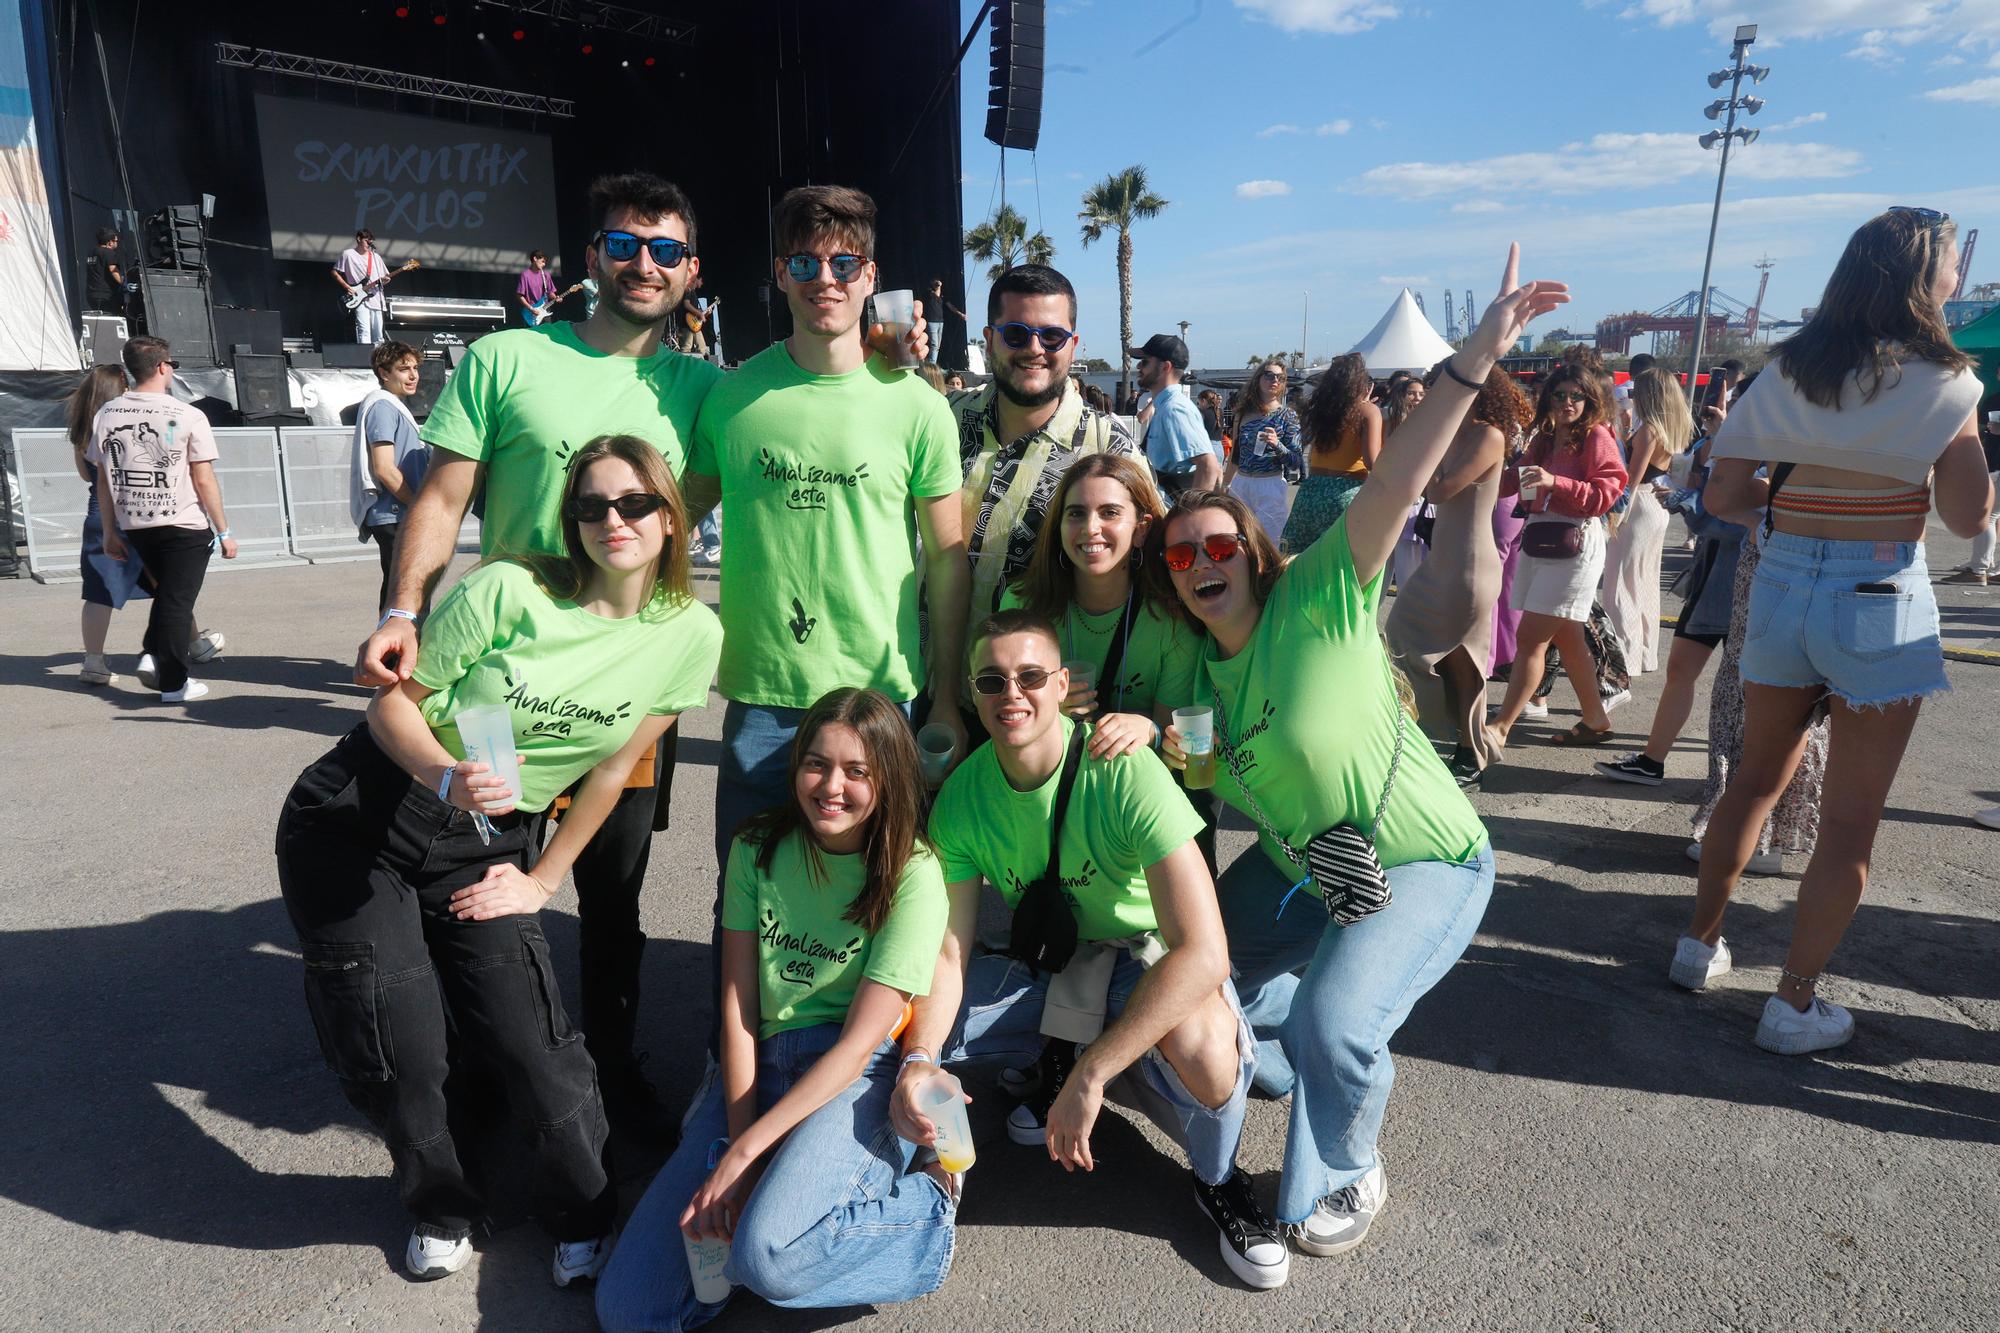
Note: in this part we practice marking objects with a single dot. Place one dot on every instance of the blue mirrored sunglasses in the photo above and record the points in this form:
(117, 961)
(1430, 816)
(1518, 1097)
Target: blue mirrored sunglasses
(805, 268)
(623, 245)
(1050, 336)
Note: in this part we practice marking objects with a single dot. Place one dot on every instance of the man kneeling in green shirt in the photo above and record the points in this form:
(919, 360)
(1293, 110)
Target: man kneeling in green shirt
(1151, 957)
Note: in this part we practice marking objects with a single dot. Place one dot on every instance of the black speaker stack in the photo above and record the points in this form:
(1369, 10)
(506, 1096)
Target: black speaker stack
(1014, 97)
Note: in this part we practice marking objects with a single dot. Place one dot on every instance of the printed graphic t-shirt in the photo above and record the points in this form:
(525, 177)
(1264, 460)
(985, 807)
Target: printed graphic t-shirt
(810, 958)
(576, 683)
(525, 400)
(1312, 718)
(1124, 815)
(150, 442)
(820, 475)
(1160, 659)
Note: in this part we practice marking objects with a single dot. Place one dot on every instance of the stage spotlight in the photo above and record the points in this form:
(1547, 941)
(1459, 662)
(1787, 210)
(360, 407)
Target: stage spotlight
(588, 48)
(650, 62)
(520, 34)
(402, 11)
(438, 19)
(624, 64)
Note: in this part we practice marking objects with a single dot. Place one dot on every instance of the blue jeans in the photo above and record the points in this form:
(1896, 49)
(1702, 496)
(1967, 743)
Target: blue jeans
(838, 1218)
(1002, 1019)
(1324, 1000)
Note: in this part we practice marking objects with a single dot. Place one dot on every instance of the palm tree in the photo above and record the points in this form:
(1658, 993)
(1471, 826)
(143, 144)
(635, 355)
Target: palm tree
(1118, 201)
(1003, 241)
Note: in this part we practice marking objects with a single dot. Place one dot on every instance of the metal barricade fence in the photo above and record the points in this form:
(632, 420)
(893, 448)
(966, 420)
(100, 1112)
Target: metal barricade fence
(319, 475)
(253, 495)
(53, 502)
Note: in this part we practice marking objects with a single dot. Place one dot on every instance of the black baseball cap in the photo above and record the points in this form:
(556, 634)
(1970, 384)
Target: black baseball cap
(1164, 347)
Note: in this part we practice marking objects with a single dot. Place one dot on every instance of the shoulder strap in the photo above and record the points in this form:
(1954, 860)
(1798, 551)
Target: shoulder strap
(1114, 659)
(1779, 475)
(1071, 762)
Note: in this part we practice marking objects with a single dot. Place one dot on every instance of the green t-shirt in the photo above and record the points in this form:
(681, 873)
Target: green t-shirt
(819, 478)
(525, 400)
(810, 958)
(1124, 814)
(1160, 659)
(576, 683)
(1312, 715)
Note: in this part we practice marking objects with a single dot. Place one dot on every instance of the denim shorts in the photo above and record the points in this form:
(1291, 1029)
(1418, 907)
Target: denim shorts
(1808, 624)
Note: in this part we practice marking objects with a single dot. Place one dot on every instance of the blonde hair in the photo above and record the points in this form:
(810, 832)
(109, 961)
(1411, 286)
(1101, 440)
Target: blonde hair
(1659, 405)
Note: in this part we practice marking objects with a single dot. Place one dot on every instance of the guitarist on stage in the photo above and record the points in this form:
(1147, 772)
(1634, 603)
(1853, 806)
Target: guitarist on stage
(359, 269)
(536, 291)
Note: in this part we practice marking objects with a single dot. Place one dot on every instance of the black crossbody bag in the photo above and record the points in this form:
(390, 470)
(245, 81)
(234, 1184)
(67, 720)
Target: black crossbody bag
(1044, 930)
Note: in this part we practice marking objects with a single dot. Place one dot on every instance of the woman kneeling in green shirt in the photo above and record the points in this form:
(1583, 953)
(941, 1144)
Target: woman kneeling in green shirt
(833, 912)
(1310, 734)
(414, 878)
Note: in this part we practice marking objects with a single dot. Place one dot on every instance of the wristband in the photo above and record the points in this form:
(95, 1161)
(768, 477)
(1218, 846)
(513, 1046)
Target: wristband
(396, 613)
(917, 1056)
(1451, 369)
(444, 783)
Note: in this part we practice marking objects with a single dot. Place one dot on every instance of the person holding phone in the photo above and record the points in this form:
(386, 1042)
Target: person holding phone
(414, 878)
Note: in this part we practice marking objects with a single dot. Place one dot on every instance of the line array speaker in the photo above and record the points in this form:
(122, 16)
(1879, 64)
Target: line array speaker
(1014, 97)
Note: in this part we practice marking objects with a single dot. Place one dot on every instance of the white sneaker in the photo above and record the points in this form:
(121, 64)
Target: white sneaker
(1534, 708)
(207, 646)
(580, 1260)
(1695, 964)
(96, 671)
(194, 689)
(1990, 818)
(1341, 1220)
(1761, 863)
(431, 1257)
(1615, 698)
(148, 671)
(1786, 1031)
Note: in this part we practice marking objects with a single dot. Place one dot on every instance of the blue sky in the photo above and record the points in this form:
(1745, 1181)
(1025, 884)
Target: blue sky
(1350, 147)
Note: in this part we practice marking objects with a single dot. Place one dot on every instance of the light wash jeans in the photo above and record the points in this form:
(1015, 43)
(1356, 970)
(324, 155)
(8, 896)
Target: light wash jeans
(367, 324)
(837, 1220)
(1002, 1019)
(1324, 1000)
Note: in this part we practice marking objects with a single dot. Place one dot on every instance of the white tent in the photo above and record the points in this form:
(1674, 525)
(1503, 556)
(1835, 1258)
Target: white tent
(1402, 340)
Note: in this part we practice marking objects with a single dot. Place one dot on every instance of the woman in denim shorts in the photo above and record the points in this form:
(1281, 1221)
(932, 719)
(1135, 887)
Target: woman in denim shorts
(1867, 425)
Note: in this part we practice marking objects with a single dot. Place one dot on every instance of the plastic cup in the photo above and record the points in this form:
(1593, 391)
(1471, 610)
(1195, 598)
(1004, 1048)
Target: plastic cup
(1529, 493)
(941, 1099)
(706, 1260)
(1197, 728)
(486, 731)
(936, 748)
(1082, 676)
(1993, 419)
(896, 311)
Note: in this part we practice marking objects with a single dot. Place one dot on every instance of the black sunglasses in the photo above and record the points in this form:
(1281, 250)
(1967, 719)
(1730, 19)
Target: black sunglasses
(623, 245)
(991, 683)
(804, 267)
(1274, 374)
(1017, 335)
(175, 364)
(631, 508)
(1568, 396)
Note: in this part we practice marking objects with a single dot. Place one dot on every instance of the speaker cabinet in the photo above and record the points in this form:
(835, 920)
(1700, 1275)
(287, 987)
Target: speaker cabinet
(261, 387)
(348, 356)
(177, 310)
(1014, 96)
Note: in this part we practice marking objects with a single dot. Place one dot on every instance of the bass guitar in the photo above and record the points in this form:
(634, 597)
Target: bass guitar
(367, 289)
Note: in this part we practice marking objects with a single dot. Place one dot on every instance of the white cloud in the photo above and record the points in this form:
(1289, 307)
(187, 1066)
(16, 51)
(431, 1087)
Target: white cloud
(1605, 162)
(1479, 206)
(1341, 126)
(1375, 123)
(1882, 29)
(1342, 17)
(1979, 90)
(1262, 189)
(1270, 130)
(1810, 118)
(1403, 280)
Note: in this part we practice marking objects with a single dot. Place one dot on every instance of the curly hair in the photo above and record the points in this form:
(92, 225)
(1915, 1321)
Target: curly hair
(1500, 403)
(1334, 410)
(1596, 405)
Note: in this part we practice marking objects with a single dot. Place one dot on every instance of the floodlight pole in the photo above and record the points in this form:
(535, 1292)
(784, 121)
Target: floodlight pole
(1715, 214)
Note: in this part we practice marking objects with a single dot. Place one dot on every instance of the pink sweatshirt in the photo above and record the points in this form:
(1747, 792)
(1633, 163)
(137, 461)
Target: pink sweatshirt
(1588, 479)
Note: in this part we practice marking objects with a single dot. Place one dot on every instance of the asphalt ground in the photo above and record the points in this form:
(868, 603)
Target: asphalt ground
(1572, 1143)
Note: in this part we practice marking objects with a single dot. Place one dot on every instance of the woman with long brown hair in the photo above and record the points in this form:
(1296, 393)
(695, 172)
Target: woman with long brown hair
(1568, 480)
(833, 913)
(1342, 430)
(415, 879)
(1866, 420)
(1267, 441)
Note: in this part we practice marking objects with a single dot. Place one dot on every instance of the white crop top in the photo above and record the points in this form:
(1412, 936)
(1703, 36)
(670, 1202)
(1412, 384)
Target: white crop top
(1899, 433)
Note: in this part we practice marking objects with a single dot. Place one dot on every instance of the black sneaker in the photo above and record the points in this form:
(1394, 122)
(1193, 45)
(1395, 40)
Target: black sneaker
(1028, 1123)
(1251, 1243)
(1634, 768)
(1464, 766)
(632, 1104)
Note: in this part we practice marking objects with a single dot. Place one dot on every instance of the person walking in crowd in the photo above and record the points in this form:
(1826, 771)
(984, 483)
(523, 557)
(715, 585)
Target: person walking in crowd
(508, 421)
(1568, 480)
(1867, 424)
(389, 459)
(1342, 430)
(1440, 629)
(1267, 447)
(358, 267)
(829, 465)
(1327, 985)
(1209, 403)
(415, 879)
(832, 919)
(160, 504)
(1019, 434)
(1662, 430)
(1119, 956)
(1175, 441)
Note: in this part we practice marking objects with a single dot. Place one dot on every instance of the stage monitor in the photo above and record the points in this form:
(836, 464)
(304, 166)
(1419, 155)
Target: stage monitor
(449, 194)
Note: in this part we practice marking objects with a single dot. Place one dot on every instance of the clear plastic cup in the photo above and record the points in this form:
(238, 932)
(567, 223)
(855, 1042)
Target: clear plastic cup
(1197, 728)
(937, 747)
(486, 731)
(941, 1099)
(1082, 677)
(897, 312)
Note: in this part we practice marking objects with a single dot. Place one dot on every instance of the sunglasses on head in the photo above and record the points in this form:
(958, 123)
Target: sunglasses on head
(1220, 547)
(623, 245)
(1930, 215)
(1568, 396)
(994, 683)
(805, 267)
(1017, 335)
(631, 508)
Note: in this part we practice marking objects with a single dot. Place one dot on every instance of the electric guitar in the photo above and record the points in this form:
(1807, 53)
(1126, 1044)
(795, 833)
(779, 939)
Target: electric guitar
(538, 312)
(696, 318)
(373, 285)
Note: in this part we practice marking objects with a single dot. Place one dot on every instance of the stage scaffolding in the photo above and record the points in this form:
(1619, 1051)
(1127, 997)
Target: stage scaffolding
(366, 76)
